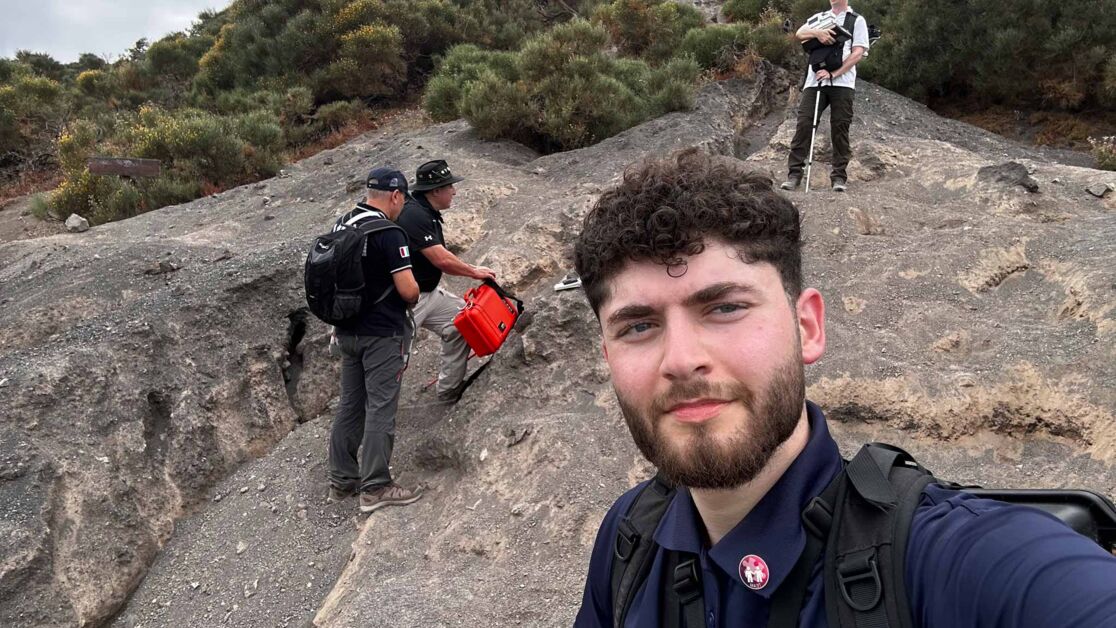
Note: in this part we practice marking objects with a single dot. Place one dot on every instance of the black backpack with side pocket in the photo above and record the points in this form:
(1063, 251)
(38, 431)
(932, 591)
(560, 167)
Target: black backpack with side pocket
(859, 524)
(334, 271)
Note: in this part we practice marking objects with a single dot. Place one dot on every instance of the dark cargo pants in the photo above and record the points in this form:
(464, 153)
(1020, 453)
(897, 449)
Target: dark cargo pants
(371, 377)
(840, 103)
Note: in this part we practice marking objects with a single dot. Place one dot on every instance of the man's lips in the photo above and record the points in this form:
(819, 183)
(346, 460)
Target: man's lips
(697, 410)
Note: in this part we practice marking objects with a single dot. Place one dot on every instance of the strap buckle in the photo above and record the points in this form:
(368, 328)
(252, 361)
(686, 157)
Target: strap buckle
(854, 571)
(817, 518)
(627, 539)
(687, 582)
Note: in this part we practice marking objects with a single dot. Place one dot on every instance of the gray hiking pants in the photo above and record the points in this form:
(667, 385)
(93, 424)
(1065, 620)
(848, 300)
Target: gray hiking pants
(435, 311)
(371, 376)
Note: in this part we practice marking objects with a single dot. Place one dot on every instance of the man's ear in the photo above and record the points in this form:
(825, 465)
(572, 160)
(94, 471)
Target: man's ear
(810, 310)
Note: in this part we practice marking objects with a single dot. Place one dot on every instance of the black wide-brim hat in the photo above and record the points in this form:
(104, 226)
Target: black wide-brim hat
(433, 175)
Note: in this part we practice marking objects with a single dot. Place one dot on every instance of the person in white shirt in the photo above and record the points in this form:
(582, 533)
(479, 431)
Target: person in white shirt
(835, 87)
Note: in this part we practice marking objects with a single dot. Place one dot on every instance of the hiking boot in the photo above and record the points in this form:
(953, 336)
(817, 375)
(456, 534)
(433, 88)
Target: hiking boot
(338, 494)
(390, 495)
(791, 183)
(451, 396)
(839, 185)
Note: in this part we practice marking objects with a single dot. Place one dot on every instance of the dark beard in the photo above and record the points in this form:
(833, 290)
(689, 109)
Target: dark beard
(708, 463)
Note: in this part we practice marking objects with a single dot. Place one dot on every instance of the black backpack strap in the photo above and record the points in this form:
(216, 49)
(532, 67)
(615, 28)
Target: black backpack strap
(634, 548)
(682, 602)
(865, 557)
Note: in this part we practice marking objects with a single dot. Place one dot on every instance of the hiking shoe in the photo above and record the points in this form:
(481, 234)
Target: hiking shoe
(338, 494)
(390, 495)
(791, 183)
(451, 396)
(839, 185)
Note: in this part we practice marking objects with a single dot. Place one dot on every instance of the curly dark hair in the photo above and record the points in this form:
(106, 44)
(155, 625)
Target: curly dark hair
(663, 210)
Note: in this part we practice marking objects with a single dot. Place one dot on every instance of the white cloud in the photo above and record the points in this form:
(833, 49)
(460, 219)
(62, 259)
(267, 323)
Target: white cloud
(67, 28)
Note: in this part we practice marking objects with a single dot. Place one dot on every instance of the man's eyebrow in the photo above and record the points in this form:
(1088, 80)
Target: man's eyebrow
(629, 312)
(717, 291)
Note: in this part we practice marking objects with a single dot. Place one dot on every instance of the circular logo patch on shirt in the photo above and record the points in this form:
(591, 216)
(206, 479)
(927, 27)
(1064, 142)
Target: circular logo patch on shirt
(754, 572)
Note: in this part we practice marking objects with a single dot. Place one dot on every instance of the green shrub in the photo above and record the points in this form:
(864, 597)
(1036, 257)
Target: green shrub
(94, 83)
(464, 64)
(1104, 151)
(164, 190)
(744, 10)
(336, 115)
(40, 207)
(497, 108)
(716, 46)
(671, 87)
(769, 41)
(562, 90)
(651, 29)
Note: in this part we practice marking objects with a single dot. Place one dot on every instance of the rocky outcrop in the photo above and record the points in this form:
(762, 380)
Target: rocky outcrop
(970, 320)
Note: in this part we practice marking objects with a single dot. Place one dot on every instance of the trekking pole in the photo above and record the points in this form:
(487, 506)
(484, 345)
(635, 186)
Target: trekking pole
(813, 134)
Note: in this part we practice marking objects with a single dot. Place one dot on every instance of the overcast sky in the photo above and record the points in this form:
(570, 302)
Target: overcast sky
(67, 28)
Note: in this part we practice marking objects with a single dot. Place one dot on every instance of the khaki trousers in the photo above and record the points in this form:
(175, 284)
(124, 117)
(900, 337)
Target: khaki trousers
(435, 311)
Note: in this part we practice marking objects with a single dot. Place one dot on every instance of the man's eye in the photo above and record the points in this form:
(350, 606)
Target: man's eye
(634, 329)
(727, 308)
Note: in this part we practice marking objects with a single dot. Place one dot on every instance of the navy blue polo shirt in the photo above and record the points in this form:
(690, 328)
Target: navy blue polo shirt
(970, 562)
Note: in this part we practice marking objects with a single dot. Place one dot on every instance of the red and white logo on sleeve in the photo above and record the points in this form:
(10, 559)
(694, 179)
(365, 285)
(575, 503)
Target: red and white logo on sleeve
(404, 251)
(754, 572)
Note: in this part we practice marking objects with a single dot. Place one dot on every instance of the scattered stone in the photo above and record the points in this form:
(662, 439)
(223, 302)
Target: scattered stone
(517, 510)
(217, 497)
(161, 268)
(865, 223)
(354, 185)
(515, 435)
(195, 585)
(251, 588)
(484, 454)
(269, 217)
(243, 489)
(328, 161)
(1010, 173)
(261, 487)
(1099, 190)
(76, 224)
(265, 200)
(241, 547)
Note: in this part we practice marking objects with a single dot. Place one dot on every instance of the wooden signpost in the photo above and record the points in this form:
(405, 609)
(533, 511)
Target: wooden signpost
(124, 166)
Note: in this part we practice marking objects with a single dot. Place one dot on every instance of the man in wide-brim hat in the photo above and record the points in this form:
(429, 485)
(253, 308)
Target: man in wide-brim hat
(433, 192)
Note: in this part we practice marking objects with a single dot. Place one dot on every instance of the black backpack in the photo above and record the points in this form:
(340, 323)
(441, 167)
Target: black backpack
(860, 522)
(334, 274)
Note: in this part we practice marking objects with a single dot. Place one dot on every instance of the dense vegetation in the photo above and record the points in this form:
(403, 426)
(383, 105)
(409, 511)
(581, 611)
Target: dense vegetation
(250, 87)
(236, 96)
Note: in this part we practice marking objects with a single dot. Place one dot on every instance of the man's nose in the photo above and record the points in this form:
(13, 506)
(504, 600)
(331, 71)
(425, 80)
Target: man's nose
(685, 354)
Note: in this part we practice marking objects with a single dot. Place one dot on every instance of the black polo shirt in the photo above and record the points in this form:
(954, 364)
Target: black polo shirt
(423, 225)
(385, 253)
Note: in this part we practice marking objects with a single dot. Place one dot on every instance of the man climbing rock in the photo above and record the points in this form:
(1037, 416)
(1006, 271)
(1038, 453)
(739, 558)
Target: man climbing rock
(433, 194)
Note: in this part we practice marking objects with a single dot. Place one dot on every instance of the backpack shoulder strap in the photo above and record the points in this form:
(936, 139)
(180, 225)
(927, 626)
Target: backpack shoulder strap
(682, 598)
(865, 557)
(634, 548)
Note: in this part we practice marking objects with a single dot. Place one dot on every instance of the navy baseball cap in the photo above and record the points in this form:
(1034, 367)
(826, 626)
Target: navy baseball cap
(386, 179)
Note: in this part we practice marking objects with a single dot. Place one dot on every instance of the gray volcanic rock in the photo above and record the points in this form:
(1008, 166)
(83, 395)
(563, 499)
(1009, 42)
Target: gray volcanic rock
(969, 321)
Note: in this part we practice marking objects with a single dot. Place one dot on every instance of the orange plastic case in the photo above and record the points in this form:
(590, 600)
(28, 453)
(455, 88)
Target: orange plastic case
(486, 320)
